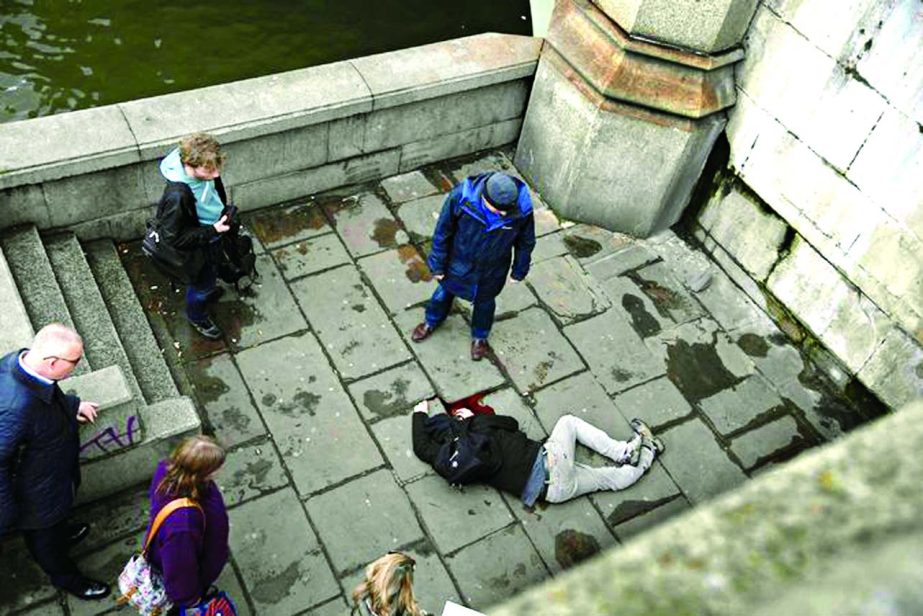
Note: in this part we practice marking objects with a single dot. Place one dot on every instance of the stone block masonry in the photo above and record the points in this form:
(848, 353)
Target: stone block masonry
(288, 135)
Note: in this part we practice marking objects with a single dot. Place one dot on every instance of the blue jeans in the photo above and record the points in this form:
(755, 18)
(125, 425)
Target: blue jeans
(482, 314)
(197, 292)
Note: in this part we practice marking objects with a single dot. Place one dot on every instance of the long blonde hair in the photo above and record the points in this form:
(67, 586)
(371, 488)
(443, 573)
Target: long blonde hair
(388, 586)
(190, 465)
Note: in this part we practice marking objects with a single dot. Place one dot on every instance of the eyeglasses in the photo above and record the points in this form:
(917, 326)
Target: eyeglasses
(67, 359)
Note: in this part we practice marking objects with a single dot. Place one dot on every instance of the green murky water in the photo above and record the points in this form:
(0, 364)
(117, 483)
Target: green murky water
(62, 55)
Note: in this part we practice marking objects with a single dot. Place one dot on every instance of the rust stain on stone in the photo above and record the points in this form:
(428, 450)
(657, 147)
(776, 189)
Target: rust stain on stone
(416, 269)
(384, 232)
(275, 226)
(572, 546)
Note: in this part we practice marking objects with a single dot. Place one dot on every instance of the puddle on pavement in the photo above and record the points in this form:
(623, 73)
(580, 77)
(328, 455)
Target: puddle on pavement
(384, 232)
(665, 300)
(572, 547)
(416, 269)
(208, 388)
(753, 345)
(581, 247)
(391, 403)
(272, 225)
(303, 402)
(642, 321)
(272, 586)
(697, 370)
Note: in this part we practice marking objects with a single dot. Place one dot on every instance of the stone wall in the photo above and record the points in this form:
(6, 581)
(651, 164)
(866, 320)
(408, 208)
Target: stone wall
(822, 205)
(287, 135)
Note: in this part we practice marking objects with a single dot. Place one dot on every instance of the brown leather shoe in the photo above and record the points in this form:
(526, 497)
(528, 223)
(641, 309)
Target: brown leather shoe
(479, 348)
(421, 332)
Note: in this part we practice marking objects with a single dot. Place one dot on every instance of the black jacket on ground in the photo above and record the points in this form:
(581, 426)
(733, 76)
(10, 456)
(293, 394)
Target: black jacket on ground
(516, 451)
(39, 449)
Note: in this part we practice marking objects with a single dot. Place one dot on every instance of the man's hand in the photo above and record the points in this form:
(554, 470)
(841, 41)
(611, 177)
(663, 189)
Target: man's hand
(87, 412)
(222, 225)
(439, 277)
(422, 407)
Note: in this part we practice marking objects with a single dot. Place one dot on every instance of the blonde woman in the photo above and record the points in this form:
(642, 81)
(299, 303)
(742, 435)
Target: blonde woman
(387, 589)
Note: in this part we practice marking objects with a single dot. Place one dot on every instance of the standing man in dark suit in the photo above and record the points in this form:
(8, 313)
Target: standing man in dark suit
(39, 454)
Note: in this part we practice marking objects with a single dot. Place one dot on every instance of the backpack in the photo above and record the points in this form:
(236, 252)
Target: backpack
(466, 455)
(236, 258)
(176, 264)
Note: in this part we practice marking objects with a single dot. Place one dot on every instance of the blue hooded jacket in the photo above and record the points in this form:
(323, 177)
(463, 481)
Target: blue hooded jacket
(208, 202)
(474, 247)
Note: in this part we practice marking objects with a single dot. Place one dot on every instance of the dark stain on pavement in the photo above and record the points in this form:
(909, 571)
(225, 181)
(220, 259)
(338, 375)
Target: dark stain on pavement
(416, 269)
(208, 388)
(572, 547)
(697, 370)
(272, 588)
(391, 403)
(620, 374)
(664, 299)
(302, 402)
(358, 308)
(273, 226)
(642, 321)
(581, 247)
(384, 232)
(631, 508)
(233, 419)
(753, 345)
(269, 399)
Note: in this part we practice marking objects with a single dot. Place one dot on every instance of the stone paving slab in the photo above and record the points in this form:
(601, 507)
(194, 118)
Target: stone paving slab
(420, 216)
(400, 277)
(654, 489)
(481, 163)
(277, 226)
(697, 463)
(456, 517)
(767, 441)
(656, 402)
(733, 409)
(279, 557)
(103, 564)
(221, 392)
(630, 257)
(267, 311)
(337, 607)
(631, 301)
(113, 519)
(250, 471)
(432, 585)
(365, 225)
(22, 582)
(363, 519)
(564, 534)
(394, 436)
(548, 247)
(408, 187)
(589, 244)
(350, 323)
(562, 285)
(446, 358)
(615, 353)
(497, 567)
(514, 298)
(670, 297)
(392, 393)
(508, 402)
(533, 351)
(628, 529)
(313, 422)
(52, 608)
(310, 256)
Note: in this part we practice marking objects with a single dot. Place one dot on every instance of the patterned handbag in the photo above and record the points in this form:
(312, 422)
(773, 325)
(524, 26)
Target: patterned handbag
(139, 584)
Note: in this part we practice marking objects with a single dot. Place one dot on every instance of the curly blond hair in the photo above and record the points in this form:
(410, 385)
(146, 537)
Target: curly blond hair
(201, 150)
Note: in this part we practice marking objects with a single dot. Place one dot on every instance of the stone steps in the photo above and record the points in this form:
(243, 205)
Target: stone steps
(144, 353)
(15, 326)
(35, 279)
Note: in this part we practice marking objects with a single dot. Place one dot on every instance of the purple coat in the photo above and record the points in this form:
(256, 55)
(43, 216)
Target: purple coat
(188, 550)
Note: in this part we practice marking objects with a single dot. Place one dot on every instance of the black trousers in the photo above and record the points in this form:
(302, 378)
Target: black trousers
(49, 547)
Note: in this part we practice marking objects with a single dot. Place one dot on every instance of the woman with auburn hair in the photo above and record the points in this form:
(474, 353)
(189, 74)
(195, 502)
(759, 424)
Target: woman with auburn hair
(387, 589)
(191, 547)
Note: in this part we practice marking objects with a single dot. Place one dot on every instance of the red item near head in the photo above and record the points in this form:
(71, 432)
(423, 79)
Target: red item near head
(472, 403)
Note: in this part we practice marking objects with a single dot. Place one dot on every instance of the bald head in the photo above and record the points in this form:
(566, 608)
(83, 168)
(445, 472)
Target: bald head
(55, 352)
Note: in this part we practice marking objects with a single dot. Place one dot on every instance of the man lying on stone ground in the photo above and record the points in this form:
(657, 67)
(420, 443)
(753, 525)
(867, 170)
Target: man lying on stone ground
(534, 470)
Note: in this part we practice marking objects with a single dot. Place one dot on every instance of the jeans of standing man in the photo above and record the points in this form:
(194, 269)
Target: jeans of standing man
(198, 291)
(569, 479)
(49, 547)
(482, 314)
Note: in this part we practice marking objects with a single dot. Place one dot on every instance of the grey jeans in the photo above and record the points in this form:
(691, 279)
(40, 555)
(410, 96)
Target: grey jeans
(569, 479)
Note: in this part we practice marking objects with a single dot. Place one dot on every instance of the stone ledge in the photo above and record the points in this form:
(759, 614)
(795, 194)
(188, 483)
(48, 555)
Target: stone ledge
(747, 548)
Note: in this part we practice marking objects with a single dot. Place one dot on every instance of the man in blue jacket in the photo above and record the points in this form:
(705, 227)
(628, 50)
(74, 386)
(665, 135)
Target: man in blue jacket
(39, 451)
(485, 220)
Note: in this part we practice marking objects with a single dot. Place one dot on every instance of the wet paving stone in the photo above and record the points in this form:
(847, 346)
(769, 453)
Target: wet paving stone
(456, 517)
(497, 567)
(350, 323)
(401, 277)
(477, 164)
(392, 393)
(123, 514)
(310, 256)
(231, 584)
(409, 187)
(654, 489)
(507, 401)
(363, 519)
(616, 355)
(589, 244)
(250, 471)
(514, 298)
(102, 564)
(366, 226)
(394, 436)
(548, 247)
(221, 392)
(312, 420)
(49, 608)
(265, 312)
(279, 557)
(696, 462)
(561, 284)
(533, 351)
(768, 441)
(631, 301)
(669, 296)
(630, 257)
(22, 582)
(279, 226)
(565, 534)
(734, 408)
(636, 525)
(656, 402)
(446, 358)
(420, 216)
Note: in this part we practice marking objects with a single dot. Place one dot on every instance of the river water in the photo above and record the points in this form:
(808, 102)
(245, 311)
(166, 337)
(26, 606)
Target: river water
(61, 55)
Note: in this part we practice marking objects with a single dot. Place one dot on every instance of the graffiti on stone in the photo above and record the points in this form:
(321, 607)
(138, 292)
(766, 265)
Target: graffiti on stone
(111, 438)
